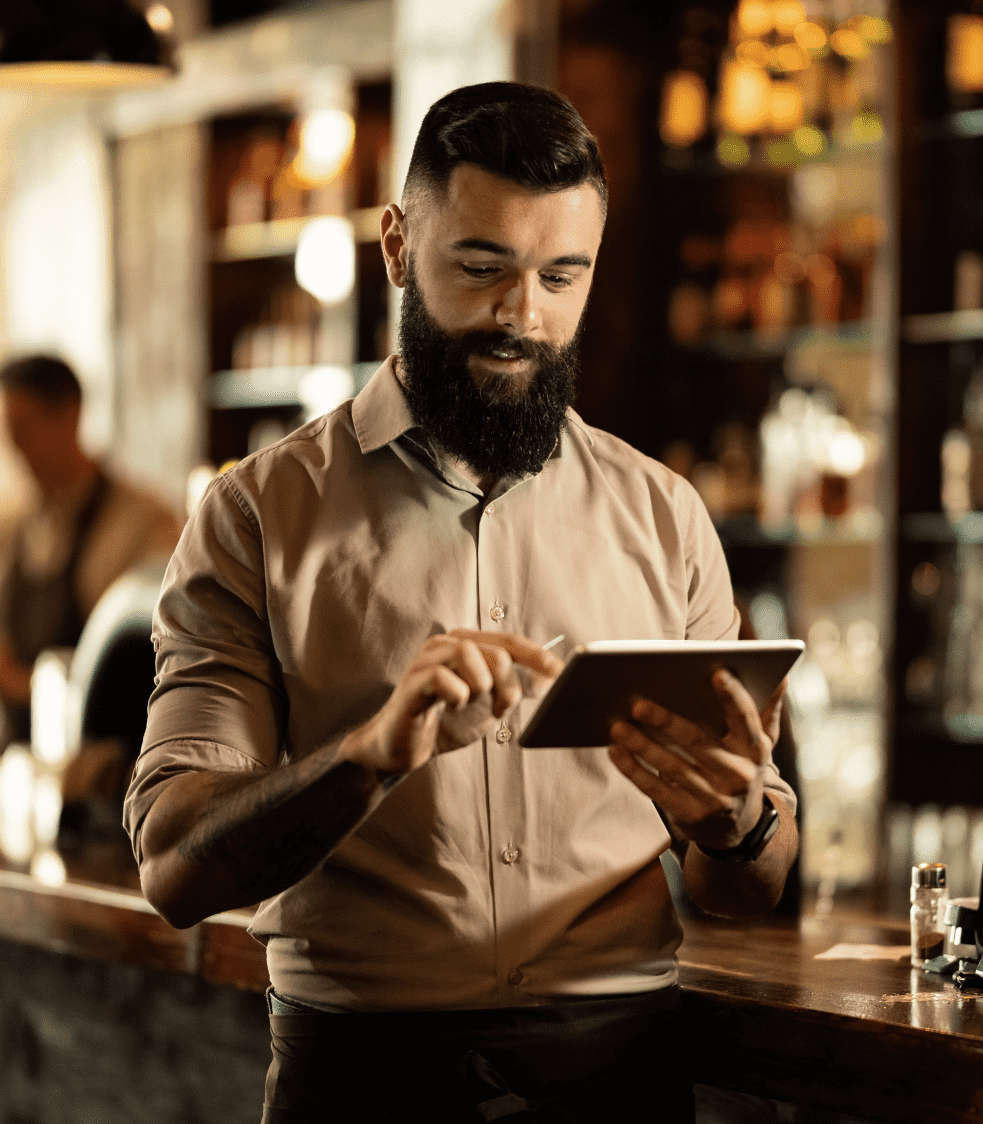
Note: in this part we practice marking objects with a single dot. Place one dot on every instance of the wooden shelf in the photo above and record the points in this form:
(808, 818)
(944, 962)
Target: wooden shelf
(935, 527)
(747, 532)
(699, 162)
(270, 386)
(853, 336)
(943, 327)
(279, 238)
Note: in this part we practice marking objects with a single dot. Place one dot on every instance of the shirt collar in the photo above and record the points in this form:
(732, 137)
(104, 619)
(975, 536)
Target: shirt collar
(381, 414)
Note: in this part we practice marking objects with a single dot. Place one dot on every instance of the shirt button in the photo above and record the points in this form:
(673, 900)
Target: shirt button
(510, 855)
(490, 509)
(497, 613)
(503, 734)
(515, 978)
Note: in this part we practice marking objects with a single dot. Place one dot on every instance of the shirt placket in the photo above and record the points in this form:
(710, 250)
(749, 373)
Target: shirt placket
(508, 865)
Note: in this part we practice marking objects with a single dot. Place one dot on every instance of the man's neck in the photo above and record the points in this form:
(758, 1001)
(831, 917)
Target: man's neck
(74, 478)
(484, 483)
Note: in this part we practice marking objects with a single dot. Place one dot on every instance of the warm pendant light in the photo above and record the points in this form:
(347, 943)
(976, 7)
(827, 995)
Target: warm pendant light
(80, 45)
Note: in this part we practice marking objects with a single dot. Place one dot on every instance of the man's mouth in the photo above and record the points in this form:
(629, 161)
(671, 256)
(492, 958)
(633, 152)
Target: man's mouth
(515, 349)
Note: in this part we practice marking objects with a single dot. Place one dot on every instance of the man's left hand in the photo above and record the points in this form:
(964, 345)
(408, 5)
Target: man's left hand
(710, 788)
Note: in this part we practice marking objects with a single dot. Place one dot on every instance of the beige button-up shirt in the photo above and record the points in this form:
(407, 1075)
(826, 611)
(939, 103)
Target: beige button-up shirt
(309, 577)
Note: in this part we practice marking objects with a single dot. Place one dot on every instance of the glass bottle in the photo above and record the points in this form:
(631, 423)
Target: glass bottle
(928, 897)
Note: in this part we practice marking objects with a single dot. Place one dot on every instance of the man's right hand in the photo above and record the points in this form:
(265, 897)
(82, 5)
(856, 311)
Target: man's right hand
(217, 840)
(451, 695)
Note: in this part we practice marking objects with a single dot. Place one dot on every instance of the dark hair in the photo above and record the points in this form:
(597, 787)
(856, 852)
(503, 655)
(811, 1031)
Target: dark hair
(46, 378)
(526, 134)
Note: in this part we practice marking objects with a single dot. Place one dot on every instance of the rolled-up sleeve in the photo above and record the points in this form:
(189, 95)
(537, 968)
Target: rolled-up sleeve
(219, 703)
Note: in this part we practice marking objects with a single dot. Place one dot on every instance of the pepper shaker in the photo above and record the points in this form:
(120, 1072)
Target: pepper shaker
(928, 898)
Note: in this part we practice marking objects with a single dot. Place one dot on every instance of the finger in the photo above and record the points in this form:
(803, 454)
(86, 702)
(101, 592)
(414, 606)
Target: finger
(522, 650)
(670, 766)
(471, 664)
(771, 715)
(667, 727)
(677, 801)
(713, 776)
(506, 688)
(463, 656)
(437, 682)
(745, 733)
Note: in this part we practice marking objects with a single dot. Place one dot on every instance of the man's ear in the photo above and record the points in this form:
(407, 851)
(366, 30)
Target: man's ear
(395, 246)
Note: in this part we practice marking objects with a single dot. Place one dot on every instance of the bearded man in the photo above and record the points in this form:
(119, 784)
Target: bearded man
(348, 637)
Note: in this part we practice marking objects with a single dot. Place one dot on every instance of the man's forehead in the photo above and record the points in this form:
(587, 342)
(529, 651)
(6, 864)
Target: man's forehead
(476, 201)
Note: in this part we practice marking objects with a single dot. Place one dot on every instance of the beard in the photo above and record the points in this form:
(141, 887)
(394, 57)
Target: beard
(500, 428)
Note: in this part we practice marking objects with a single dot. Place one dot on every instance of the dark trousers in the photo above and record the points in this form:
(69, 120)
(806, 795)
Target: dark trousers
(619, 1058)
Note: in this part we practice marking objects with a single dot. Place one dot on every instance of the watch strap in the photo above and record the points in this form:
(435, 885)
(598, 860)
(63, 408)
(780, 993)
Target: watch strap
(751, 846)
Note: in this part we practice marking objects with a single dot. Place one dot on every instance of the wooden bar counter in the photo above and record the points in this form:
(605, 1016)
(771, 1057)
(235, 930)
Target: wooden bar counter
(875, 1038)
(872, 1038)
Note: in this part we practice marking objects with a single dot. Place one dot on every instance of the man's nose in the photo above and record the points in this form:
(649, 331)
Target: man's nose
(519, 307)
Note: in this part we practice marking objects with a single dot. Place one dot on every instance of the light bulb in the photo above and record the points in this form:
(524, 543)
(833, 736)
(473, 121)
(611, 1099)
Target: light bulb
(324, 264)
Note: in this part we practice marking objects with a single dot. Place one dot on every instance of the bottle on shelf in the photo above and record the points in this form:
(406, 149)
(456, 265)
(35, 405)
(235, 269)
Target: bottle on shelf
(249, 191)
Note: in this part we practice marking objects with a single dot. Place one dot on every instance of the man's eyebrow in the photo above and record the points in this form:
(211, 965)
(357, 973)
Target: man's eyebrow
(485, 246)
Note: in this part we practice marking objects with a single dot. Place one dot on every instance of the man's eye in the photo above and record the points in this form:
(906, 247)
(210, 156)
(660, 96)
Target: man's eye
(480, 271)
(557, 280)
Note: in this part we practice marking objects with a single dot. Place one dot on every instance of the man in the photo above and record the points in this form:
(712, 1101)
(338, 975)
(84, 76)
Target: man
(83, 529)
(453, 924)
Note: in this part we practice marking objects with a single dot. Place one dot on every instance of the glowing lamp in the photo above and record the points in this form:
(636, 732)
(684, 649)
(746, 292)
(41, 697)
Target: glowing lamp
(684, 109)
(324, 388)
(745, 97)
(733, 151)
(160, 18)
(326, 140)
(324, 264)
(964, 61)
(87, 45)
(867, 128)
(754, 18)
(786, 112)
(789, 57)
(786, 15)
(875, 29)
(49, 698)
(849, 43)
(845, 453)
(810, 37)
(17, 771)
(809, 140)
(753, 50)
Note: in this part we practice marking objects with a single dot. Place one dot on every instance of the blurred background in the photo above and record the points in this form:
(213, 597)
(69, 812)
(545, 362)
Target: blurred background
(787, 310)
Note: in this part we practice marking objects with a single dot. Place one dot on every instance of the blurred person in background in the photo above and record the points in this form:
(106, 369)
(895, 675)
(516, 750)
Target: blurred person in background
(82, 529)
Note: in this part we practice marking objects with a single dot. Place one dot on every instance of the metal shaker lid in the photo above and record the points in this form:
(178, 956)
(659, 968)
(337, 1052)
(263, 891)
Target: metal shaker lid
(928, 876)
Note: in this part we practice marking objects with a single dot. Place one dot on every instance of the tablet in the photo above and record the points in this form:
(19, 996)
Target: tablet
(602, 679)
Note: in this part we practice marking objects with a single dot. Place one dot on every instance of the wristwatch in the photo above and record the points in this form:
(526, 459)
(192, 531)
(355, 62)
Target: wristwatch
(751, 846)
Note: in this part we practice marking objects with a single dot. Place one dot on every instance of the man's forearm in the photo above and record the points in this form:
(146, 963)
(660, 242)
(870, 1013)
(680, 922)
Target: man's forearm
(746, 889)
(217, 841)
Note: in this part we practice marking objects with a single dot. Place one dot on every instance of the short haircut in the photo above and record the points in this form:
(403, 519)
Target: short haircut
(526, 134)
(46, 378)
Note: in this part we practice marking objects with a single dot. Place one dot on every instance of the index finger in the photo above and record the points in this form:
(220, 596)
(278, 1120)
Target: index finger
(743, 720)
(522, 650)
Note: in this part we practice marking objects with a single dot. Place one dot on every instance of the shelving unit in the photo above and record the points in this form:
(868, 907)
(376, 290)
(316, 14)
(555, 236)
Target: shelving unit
(937, 734)
(268, 338)
(810, 557)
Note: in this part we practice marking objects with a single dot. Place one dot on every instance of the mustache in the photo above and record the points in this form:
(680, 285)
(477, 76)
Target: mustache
(485, 343)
